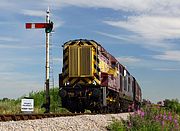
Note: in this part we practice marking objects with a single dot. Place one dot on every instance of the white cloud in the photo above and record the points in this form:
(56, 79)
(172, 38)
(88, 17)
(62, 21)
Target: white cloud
(8, 39)
(139, 6)
(167, 69)
(169, 55)
(58, 60)
(128, 60)
(5, 46)
(37, 13)
(127, 5)
(119, 37)
(57, 24)
(151, 22)
(114, 4)
(16, 44)
(154, 28)
(154, 19)
(139, 40)
(41, 13)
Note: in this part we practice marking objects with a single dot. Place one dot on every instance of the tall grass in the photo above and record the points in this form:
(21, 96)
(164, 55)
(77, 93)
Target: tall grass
(10, 106)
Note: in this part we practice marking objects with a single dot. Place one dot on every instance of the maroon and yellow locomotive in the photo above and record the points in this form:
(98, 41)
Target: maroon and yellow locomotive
(93, 79)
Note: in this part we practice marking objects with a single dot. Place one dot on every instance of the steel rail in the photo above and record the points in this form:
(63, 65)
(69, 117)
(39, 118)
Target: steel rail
(18, 117)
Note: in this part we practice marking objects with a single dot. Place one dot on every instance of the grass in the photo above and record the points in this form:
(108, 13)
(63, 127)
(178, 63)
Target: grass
(11, 106)
(116, 126)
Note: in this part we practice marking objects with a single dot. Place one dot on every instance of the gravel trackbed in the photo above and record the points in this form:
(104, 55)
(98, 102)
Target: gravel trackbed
(70, 123)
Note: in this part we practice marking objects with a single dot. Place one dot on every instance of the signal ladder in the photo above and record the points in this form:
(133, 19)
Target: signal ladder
(51, 65)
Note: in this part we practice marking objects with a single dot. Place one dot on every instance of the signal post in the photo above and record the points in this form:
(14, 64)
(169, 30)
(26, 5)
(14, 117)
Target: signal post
(48, 28)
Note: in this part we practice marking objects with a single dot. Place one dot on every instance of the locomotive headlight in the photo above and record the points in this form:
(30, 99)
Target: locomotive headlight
(67, 83)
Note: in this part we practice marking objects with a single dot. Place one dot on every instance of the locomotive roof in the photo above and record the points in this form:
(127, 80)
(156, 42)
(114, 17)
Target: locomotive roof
(81, 40)
(102, 48)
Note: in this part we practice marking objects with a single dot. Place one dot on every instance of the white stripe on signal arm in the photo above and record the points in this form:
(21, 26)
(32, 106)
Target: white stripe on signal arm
(33, 25)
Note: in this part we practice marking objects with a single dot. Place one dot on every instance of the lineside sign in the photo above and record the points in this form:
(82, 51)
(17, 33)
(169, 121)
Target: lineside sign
(27, 105)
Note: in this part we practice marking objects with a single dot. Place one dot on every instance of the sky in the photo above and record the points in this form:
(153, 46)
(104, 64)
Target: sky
(143, 35)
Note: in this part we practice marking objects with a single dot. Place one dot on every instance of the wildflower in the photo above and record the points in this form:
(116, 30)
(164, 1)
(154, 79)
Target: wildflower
(162, 123)
(164, 116)
(170, 116)
(157, 118)
(142, 114)
(138, 112)
(175, 121)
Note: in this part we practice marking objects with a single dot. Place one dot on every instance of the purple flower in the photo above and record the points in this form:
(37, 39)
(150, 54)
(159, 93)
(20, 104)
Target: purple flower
(162, 123)
(157, 118)
(175, 121)
(164, 116)
(142, 114)
(170, 118)
(160, 117)
(176, 124)
(138, 112)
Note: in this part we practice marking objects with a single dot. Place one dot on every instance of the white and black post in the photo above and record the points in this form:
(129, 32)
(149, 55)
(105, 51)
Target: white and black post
(47, 65)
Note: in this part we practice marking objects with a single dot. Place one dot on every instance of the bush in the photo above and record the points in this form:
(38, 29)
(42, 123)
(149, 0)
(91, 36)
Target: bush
(172, 105)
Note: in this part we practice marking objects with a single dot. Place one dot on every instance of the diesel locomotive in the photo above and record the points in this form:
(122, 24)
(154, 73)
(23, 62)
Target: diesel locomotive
(93, 79)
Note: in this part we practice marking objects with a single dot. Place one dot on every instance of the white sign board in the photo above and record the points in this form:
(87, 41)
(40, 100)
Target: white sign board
(27, 104)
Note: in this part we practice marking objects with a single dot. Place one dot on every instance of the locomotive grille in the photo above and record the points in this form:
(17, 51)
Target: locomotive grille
(85, 61)
(73, 61)
(80, 60)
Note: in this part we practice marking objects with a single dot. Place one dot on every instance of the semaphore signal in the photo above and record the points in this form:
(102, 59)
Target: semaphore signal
(48, 26)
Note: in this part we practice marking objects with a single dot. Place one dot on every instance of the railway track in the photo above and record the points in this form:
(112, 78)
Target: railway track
(18, 117)
(70, 123)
